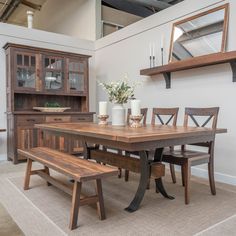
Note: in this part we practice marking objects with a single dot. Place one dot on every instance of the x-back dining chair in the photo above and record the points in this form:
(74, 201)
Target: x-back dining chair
(158, 117)
(187, 158)
(160, 113)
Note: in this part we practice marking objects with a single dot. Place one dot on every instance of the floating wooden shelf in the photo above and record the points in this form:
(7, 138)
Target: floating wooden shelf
(197, 62)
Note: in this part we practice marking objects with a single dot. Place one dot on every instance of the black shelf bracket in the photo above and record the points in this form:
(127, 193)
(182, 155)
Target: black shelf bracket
(167, 76)
(233, 67)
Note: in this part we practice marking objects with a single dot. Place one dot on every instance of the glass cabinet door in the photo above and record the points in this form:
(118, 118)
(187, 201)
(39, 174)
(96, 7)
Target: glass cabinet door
(53, 73)
(76, 76)
(25, 71)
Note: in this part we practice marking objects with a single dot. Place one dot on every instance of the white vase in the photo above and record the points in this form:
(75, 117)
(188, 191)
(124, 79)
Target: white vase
(118, 115)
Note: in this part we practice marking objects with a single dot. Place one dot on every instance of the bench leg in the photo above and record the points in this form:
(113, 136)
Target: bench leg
(27, 174)
(75, 205)
(46, 169)
(100, 203)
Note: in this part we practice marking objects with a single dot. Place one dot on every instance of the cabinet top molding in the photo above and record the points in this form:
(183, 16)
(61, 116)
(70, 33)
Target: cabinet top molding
(45, 50)
(197, 62)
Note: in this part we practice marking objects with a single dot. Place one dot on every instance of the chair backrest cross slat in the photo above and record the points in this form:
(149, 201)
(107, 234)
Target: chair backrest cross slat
(171, 112)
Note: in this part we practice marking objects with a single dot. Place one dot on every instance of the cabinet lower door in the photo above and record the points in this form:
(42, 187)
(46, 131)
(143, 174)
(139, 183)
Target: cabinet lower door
(27, 137)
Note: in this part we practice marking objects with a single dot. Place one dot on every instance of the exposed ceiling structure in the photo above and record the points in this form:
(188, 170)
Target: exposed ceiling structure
(141, 8)
(14, 11)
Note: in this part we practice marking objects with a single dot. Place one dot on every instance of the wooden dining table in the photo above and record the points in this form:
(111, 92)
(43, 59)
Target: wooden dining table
(140, 140)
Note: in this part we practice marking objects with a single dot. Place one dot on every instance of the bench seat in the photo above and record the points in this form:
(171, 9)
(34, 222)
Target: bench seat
(80, 170)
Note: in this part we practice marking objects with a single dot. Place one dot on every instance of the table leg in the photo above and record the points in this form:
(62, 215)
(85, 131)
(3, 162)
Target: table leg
(159, 184)
(134, 205)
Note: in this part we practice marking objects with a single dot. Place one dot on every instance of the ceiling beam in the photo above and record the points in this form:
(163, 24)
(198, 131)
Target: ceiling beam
(130, 7)
(201, 32)
(31, 5)
(159, 5)
(9, 10)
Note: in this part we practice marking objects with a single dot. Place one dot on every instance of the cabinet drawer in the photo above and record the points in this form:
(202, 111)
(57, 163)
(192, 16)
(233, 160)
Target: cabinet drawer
(58, 119)
(82, 118)
(29, 120)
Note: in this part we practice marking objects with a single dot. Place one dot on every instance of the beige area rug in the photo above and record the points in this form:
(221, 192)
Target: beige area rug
(7, 225)
(45, 210)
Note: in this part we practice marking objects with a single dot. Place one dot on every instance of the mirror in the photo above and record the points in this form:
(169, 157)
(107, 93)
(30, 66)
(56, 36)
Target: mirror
(199, 35)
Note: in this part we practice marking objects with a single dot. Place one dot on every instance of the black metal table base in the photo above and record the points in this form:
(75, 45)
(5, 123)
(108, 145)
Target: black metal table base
(134, 205)
(144, 177)
(160, 189)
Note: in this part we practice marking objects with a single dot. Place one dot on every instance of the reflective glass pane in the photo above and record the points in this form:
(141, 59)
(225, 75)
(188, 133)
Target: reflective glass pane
(19, 59)
(53, 80)
(74, 66)
(32, 60)
(26, 60)
(46, 61)
(25, 78)
(81, 67)
(76, 82)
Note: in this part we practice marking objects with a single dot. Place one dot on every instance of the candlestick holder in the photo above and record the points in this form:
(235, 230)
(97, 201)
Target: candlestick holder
(135, 121)
(153, 61)
(150, 58)
(103, 119)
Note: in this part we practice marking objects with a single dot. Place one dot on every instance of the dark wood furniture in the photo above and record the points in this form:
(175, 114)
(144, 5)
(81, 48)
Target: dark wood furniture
(197, 62)
(143, 111)
(36, 76)
(171, 114)
(80, 170)
(140, 139)
(187, 158)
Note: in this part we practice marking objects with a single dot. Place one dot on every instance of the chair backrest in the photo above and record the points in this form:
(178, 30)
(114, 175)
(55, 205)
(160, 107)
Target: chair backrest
(143, 112)
(210, 113)
(158, 113)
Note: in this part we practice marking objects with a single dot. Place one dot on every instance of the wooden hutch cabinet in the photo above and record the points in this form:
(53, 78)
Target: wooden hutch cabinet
(37, 76)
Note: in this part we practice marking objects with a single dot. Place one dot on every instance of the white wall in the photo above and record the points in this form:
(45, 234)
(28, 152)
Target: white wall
(77, 18)
(127, 51)
(37, 38)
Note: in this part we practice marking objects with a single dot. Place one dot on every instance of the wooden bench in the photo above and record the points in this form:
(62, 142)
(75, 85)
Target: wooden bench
(80, 170)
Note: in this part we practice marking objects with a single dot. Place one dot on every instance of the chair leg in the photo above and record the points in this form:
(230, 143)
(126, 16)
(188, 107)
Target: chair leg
(187, 174)
(48, 173)
(75, 205)
(172, 171)
(211, 177)
(100, 203)
(126, 175)
(120, 173)
(27, 174)
(182, 175)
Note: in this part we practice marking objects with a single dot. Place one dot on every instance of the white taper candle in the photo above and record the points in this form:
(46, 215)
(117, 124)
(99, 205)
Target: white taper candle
(162, 41)
(135, 107)
(102, 108)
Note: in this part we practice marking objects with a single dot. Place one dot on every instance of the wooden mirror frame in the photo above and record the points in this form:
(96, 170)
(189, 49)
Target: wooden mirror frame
(225, 27)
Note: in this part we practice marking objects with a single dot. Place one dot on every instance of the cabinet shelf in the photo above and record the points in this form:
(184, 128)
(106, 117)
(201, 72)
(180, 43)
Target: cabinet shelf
(197, 62)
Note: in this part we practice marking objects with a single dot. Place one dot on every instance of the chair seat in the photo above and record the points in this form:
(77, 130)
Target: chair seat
(186, 154)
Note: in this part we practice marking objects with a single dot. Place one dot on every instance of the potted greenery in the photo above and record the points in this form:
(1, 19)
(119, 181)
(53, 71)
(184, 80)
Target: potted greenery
(119, 93)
